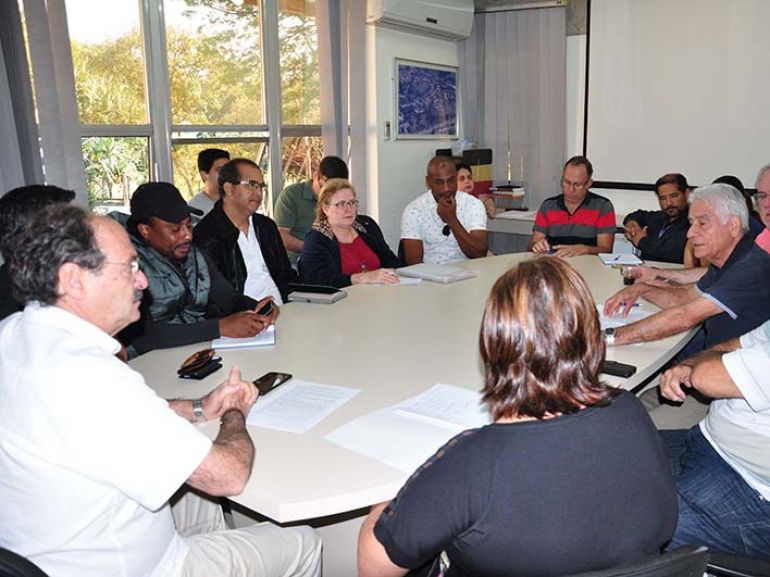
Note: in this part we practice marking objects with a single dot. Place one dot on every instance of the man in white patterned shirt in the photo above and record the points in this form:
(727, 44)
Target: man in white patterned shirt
(443, 225)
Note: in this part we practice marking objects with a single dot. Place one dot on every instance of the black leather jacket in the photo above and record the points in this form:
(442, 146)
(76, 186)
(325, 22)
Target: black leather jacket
(217, 236)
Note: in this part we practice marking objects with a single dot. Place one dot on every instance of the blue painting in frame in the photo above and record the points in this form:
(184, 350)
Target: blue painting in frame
(426, 97)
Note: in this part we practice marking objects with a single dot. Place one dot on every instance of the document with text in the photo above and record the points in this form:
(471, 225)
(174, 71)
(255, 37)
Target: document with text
(406, 435)
(265, 338)
(298, 406)
(618, 320)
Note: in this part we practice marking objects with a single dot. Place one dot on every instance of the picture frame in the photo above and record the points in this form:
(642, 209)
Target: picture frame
(427, 98)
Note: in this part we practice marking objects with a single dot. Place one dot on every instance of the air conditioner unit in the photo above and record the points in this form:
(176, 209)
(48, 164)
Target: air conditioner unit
(448, 19)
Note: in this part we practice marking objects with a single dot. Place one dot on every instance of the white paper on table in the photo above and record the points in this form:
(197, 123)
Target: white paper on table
(446, 406)
(406, 281)
(262, 339)
(391, 438)
(517, 215)
(619, 258)
(618, 320)
(298, 405)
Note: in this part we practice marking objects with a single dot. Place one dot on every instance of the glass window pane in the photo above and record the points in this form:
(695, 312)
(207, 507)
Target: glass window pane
(108, 58)
(299, 155)
(214, 61)
(185, 159)
(115, 166)
(300, 85)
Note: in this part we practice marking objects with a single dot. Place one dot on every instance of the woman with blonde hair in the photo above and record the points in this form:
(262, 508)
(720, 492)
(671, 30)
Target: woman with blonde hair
(343, 247)
(572, 475)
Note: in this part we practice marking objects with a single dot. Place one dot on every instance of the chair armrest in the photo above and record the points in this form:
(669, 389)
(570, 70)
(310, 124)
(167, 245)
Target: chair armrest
(729, 565)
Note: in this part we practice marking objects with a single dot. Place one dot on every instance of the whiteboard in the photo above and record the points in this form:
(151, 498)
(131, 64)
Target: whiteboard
(678, 86)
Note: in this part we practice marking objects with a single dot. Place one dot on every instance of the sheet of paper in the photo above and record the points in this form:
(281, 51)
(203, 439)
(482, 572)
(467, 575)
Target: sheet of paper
(618, 320)
(517, 215)
(406, 281)
(262, 339)
(446, 406)
(619, 258)
(391, 438)
(298, 405)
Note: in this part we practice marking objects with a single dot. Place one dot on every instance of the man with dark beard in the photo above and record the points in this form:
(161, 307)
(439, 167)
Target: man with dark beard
(187, 298)
(661, 235)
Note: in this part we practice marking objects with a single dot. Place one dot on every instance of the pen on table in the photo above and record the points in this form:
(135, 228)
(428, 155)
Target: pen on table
(637, 305)
(616, 258)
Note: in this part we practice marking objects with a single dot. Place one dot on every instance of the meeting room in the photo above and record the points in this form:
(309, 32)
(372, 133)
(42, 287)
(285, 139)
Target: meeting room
(430, 287)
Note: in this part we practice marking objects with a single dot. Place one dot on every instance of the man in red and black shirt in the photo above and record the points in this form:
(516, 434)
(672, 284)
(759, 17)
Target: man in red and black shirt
(577, 221)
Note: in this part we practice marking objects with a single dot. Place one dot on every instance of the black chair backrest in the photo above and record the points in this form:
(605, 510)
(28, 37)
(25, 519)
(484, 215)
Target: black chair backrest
(688, 561)
(14, 565)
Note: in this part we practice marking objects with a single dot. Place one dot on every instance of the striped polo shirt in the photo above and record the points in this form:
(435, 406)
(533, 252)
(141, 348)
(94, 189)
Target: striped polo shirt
(595, 215)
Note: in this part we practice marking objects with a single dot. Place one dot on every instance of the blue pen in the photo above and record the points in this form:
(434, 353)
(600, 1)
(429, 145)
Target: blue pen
(633, 305)
(616, 258)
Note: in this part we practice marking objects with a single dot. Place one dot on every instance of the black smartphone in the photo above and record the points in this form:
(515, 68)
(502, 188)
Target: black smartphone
(266, 309)
(617, 369)
(270, 381)
(201, 372)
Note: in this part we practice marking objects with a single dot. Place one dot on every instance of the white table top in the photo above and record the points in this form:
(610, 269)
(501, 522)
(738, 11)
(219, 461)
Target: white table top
(390, 342)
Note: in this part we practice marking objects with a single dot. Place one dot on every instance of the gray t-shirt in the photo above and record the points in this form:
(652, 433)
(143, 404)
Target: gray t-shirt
(201, 202)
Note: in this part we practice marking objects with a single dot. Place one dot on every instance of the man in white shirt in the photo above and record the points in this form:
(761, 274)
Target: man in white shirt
(443, 225)
(722, 465)
(210, 160)
(244, 245)
(89, 454)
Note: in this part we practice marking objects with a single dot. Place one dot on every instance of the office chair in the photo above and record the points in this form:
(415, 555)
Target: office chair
(687, 561)
(14, 565)
(729, 565)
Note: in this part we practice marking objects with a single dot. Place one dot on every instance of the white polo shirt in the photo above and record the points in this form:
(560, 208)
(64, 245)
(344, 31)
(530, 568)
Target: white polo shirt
(89, 454)
(420, 221)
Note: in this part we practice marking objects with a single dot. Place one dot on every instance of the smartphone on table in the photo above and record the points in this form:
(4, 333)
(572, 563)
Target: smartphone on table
(270, 381)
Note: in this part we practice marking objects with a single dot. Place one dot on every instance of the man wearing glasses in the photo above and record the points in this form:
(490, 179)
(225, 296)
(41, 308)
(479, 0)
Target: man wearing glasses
(762, 196)
(577, 221)
(245, 246)
(187, 298)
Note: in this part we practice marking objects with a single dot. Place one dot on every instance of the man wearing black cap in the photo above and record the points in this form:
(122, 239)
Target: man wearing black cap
(187, 299)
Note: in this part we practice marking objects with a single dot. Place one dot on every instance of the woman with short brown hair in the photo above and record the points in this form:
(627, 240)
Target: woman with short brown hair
(570, 477)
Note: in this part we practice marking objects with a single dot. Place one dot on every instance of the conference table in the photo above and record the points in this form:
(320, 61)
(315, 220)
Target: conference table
(391, 342)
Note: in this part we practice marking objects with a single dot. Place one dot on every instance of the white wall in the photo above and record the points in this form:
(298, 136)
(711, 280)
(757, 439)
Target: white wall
(624, 201)
(396, 168)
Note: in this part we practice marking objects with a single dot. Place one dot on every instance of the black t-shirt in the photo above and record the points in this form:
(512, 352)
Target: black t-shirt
(580, 492)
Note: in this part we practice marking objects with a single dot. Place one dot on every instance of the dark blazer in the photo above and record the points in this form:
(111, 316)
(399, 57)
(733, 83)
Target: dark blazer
(665, 241)
(321, 263)
(217, 236)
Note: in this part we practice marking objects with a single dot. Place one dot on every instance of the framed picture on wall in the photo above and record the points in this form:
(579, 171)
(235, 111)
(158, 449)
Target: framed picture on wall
(426, 100)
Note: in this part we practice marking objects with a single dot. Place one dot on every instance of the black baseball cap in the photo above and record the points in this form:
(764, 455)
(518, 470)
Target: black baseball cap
(160, 200)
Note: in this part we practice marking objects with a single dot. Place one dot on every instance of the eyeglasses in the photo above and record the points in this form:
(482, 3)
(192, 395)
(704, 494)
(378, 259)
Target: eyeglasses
(253, 184)
(345, 203)
(760, 196)
(576, 185)
(132, 265)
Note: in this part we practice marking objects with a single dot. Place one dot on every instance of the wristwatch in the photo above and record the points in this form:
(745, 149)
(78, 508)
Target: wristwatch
(609, 336)
(198, 410)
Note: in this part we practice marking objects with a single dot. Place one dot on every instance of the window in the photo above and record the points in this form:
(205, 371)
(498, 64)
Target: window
(214, 62)
(148, 102)
(114, 166)
(298, 41)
